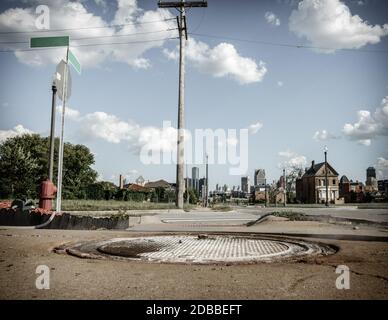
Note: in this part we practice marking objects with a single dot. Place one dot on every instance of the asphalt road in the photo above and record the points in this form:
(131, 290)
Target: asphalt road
(245, 214)
(374, 215)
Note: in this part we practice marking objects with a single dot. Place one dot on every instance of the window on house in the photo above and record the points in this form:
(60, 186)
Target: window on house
(333, 181)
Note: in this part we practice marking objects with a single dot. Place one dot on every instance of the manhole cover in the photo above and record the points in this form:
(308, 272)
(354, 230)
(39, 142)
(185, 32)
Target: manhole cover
(198, 249)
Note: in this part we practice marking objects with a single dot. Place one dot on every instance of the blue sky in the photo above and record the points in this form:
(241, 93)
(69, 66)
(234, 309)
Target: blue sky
(292, 94)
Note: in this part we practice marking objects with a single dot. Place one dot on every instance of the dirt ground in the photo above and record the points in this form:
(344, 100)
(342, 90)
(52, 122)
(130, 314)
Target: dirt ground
(75, 278)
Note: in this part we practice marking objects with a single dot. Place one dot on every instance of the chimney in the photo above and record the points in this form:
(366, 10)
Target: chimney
(312, 164)
(121, 182)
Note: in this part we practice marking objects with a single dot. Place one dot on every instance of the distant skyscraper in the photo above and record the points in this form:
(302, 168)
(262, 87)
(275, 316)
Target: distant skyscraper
(370, 173)
(371, 181)
(259, 178)
(195, 178)
(245, 187)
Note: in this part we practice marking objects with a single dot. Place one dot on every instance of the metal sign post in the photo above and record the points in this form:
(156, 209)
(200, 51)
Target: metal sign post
(63, 86)
(43, 42)
(61, 139)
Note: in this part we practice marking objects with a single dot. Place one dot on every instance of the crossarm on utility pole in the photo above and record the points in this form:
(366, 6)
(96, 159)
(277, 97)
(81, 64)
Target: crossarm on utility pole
(179, 4)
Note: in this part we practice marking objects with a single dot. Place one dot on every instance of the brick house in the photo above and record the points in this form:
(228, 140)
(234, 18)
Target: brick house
(311, 188)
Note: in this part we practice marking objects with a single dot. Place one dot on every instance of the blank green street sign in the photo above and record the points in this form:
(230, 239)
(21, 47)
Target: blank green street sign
(62, 41)
(74, 62)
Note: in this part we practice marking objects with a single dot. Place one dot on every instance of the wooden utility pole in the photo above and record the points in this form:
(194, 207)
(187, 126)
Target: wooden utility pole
(285, 187)
(182, 27)
(207, 181)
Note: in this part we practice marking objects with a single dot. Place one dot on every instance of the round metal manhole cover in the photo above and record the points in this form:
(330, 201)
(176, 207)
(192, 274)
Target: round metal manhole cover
(198, 249)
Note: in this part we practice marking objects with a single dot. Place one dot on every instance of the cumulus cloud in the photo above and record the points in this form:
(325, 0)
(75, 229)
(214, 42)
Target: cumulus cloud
(221, 61)
(70, 113)
(272, 19)
(291, 159)
(133, 21)
(324, 135)
(382, 163)
(110, 128)
(382, 168)
(107, 127)
(330, 25)
(255, 127)
(368, 126)
(16, 131)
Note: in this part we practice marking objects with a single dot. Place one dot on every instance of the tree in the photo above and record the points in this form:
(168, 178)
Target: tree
(24, 164)
(293, 172)
(193, 196)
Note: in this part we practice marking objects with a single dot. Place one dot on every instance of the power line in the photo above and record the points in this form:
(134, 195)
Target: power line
(85, 28)
(98, 37)
(200, 22)
(298, 46)
(92, 44)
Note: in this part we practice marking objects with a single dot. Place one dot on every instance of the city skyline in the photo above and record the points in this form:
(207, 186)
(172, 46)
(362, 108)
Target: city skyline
(293, 100)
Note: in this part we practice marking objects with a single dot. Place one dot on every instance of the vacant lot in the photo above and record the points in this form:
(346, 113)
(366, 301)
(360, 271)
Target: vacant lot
(104, 205)
(75, 278)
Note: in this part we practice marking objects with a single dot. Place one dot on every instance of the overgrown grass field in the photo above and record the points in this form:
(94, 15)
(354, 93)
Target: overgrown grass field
(105, 205)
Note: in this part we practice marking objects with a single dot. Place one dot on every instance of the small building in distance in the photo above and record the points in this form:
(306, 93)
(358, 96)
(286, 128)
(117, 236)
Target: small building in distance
(259, 178)
(245, 186)
(159, 184)
(351, 191)
(311, 187)
(371, 184)
(382, 186)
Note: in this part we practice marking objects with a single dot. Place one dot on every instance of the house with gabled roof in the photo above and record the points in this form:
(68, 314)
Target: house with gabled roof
(311, 186)
(159, 184)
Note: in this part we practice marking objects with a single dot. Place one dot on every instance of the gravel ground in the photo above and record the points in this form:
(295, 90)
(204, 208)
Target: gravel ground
(75, 278)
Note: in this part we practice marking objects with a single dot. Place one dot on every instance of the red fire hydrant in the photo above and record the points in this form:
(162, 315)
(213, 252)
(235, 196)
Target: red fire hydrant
(47, 193)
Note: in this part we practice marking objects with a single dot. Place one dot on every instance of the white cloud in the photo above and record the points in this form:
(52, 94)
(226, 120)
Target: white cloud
(255, 127)
(365, 142)
(382, 168)
(66, 14)
(382, 163)
(70, 113)
(272, 19)
(171, 55)
(158, 139)
(287, 154)
(221, 61)
(369, 126)
(280, 83)
(329, 24)
(324, 135)
(108, 127)
(16, 131)
(291, 159)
